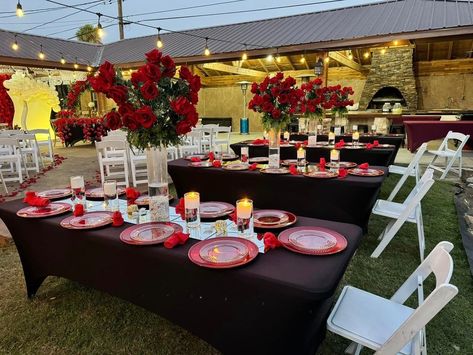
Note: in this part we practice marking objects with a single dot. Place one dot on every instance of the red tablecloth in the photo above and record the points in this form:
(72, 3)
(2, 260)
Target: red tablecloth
(419, 132)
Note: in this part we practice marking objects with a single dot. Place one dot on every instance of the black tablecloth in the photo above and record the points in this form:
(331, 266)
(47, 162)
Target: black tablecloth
(375, 156)
(348, 200)
(278, 304)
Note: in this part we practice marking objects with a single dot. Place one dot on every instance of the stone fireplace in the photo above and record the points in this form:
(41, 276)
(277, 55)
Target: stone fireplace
(391, 77)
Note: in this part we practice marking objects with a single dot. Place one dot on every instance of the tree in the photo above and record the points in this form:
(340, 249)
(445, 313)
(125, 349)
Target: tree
(88, 33)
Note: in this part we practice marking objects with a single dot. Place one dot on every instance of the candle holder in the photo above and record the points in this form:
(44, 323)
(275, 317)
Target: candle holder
(334, 160)
(78, 190)
(244, 212)
(192, 209)
(355, 137)
(301, 160)
(331, 138)
(244, 154)
(110, 195)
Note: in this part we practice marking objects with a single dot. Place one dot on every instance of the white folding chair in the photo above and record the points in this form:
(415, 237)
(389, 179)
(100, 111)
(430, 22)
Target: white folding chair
(113, 166)
(191, 143)
(408, 211)
(48, 143)
(411, 170)
(208, 136)
(173, 152)
(450, 155)
(10, 153)
(29, 150)
(139, 172)
(387, 326)
(222, 137)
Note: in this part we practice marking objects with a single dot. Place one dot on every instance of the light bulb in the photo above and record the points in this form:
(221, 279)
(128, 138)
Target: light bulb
(76, 66)
(244, 56)
(89, 68)
(350, 56)
(278, 58)
(14, 46)
(396, 43)
(366, 55)
(327, 59)
(302, 60)
(63, 61)
(383, 51)
(19, 10)
(159, 42)
(41, 55)
(269, 58)
(100, 31)
(207, 51)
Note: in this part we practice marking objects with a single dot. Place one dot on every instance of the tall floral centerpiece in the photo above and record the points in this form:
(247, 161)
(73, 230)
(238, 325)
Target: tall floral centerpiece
(313, 105)
(340, 100)
(7, 110)
(277, 99)
(156, 109)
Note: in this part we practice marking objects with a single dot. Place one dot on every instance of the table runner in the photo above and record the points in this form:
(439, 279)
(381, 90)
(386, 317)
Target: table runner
(348, 200)
(419, 132)
(278, 304)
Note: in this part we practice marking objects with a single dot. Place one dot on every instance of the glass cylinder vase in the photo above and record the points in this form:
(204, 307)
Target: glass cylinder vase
(158, 189)
(274, 135)
(312, 131)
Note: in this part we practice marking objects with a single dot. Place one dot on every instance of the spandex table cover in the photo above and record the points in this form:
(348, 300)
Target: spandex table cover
(375, 156)
(278, 304)
(348, 200)
(419, 132)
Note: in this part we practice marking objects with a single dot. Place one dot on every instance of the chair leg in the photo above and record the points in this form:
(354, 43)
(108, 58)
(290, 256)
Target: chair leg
(447, 168)
(354, 348)
(3, 182)
(388, 227)
(421, 237)
(460, 166)
(390, 234)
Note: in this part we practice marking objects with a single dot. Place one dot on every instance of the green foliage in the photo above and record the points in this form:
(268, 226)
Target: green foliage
(88, 33)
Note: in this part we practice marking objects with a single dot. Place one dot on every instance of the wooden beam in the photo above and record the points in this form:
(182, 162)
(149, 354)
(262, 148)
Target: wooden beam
(290, 63)
(343, 59)
(262, 64)
(428, 51)
(450, 50)
(232, 69)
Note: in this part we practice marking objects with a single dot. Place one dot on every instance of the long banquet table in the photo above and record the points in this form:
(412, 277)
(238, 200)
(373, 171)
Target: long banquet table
(375, 156)
(347, 200)
(277, 304)
(419, 132)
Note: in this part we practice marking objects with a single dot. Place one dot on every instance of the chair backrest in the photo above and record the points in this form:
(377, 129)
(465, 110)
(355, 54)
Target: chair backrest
(457, 136)
(116, 132)
(9, 142)
(440, 263)
(413, 166)
(111, 144)
(115, 137)
(421, 188)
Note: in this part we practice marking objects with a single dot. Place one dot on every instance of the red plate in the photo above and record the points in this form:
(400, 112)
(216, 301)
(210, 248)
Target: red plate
(55, 194)
(201, 164)
(343, 164)
(236, 166)
(89, 220)
(275, 171)
(289, 162)
(200, 156)
(285, 238)
(149, 233)
(229, 156)
(224, 252)
(257, 144)
(215, 209)
(366, 172)
(98, 192)
(273, 219)
(259, 160)
(327, 174)
(195, 250)
(53, 209)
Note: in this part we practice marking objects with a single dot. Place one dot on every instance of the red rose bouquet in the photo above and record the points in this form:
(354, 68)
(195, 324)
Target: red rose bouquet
(154, 107)
(338, 98)
(314, 99)
(277, 99)
(7, 110)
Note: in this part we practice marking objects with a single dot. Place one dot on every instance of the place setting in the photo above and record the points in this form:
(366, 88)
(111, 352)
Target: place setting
(49, 210)
(365, 170)
(55, 194)
(313, 240)
(90, 220)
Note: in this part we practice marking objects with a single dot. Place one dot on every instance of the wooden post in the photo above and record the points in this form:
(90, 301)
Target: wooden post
(326, 69)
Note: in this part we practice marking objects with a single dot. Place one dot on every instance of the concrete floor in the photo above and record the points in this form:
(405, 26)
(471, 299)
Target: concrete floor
(82, 160)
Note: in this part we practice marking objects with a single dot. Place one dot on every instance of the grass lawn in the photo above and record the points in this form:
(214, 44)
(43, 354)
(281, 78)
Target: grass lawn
(66, 317)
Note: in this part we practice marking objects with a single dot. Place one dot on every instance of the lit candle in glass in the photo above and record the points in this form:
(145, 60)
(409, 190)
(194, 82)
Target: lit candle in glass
(244, 154)
(110, 194)
(301, 159)
(78, 189)
(286, 136)
(244, 211)
(192, 206)
(355, 138)
(335, 160)
(331, 138)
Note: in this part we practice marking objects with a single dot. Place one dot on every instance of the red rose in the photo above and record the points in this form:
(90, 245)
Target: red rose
(138, 77)
(183, 127)
(276, 114)
(107, 72)
(130, 121)
(185, 73)
(152, 72)
(169, 66)
(181, 105)
(149, 90)
(268, 107)
(98, 84)
(118, 93)
(145, 116)
(113, 120)
(154, 56)
(125, 108)
(254, 88)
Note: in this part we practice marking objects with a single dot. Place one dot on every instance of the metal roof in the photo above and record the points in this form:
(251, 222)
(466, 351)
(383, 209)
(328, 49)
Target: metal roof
(326, 29)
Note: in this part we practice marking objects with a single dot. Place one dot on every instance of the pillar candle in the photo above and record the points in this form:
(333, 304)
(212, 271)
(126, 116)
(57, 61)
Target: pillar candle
(110, 188)
(331, 136)
(355, 136)
(334, 154)
(244, 208)
(286, 135)
(301, 153)
(77, 182)
(191, 200)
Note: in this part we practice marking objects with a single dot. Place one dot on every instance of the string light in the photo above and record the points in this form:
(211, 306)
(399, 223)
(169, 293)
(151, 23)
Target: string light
(383, 51)
(327, 59)
(41, 53)
(278, 56)
(89, 68)
(244, 56)
(76, 66)
(100, 31)
(302, 60)
(396, 43)
(350, 56)
(366, 55)
(207, 50)
(159, 42)
(19, 10)
(269, 58)
(63, 60)
(14, 45)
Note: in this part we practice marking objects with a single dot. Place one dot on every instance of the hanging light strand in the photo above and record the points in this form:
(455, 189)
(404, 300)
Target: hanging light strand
(19, 10)
(159, 42)
(206, 49)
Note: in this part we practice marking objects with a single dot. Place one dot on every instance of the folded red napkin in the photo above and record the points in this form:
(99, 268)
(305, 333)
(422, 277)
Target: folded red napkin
(175, 239)
(181, 209)
(260, 141)
(233, 217)
(195, 159)
(322, 164)
(293, 170)
(35, 201)
(253, 166)
(117, 219)
(131, 195)
(217, 164)
(306, 142)
(375, 143)
(211, 156)
(340, 144)
(297, 146)
(342, 173)
(369, 146)
(270, 241)
(363, 166)
(78, 210)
